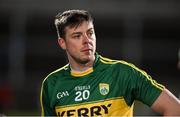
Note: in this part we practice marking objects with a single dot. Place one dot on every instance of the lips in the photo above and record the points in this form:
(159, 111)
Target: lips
(85, 50)
(87, 47)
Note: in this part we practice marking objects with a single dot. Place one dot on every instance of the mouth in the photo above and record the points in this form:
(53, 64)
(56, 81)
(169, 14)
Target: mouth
(86, 50)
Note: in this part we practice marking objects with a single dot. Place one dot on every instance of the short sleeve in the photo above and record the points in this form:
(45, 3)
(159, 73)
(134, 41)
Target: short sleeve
(144, 89)
(138, 85)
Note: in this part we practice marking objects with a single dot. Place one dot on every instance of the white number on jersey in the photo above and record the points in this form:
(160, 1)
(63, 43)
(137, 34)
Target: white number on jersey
(82, 95)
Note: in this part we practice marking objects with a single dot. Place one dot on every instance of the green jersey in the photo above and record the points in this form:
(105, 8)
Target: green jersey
(108, 89)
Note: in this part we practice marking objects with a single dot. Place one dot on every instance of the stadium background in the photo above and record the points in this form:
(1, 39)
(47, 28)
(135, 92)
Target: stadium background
(143, 32)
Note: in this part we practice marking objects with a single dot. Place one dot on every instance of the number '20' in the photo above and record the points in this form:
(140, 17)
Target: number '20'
(82, 95)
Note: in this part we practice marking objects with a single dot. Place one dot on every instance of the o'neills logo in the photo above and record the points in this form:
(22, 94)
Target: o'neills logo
(104, 88)
(85, 111)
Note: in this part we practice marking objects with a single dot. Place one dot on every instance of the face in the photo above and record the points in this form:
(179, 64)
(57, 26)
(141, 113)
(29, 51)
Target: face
(79, 43)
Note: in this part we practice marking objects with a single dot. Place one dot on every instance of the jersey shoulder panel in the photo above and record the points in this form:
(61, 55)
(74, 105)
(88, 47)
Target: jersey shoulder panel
(134, 82)
(117, 65)
(57, 73)
(47, 90)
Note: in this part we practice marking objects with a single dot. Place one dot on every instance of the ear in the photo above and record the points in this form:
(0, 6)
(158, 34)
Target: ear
(62, 43)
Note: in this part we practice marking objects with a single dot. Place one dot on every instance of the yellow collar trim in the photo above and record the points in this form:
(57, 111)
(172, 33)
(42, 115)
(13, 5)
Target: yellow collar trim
(83, 73)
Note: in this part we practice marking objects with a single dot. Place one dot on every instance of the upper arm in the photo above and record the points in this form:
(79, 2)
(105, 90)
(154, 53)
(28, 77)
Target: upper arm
(167, 104)
(46, 109)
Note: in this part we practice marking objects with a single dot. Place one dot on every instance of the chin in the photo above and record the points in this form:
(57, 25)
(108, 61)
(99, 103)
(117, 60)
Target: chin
(86, 59)
(88, 56)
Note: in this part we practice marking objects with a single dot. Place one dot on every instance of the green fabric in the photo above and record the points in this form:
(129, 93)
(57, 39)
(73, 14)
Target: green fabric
(124, 80)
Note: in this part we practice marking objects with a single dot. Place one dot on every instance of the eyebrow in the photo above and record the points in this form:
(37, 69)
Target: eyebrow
(90, 29)
(74, 33)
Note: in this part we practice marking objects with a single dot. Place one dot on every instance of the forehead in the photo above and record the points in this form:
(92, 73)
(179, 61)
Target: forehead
(84, 26)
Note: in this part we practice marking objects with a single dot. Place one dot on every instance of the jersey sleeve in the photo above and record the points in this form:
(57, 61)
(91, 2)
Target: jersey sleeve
(46, 109)
(138, 85)
(144, 89)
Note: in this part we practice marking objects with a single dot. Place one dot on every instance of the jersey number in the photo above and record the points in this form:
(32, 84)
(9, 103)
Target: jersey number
(82, 95)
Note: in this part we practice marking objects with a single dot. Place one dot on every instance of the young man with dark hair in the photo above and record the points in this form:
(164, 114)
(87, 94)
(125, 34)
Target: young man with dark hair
(92, 85)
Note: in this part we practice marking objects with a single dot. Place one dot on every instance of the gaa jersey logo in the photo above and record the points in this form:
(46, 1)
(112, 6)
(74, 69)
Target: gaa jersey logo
(104, 88)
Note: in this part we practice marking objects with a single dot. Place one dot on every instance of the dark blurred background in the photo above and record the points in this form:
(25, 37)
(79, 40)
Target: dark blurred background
(143, 32)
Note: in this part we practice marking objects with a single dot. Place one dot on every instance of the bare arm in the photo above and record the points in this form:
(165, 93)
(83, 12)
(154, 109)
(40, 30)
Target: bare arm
(167, 104)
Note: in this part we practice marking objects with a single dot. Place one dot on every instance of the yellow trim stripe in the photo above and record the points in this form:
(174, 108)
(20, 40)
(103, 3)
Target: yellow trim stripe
(79, 74)
(92, 102)
(107, 59)
(42, 106)
(110, 61)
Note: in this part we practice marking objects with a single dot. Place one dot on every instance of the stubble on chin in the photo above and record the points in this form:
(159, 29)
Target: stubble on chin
(89, 58)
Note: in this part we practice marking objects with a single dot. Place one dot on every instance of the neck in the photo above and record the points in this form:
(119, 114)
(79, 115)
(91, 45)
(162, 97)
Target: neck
(79, 67)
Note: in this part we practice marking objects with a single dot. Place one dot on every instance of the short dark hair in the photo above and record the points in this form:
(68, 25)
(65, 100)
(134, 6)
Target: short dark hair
(70, 18)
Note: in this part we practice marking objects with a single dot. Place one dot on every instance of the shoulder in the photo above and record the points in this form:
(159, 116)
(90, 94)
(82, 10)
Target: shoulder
(52, 77)
(118, 64)
(123, 67)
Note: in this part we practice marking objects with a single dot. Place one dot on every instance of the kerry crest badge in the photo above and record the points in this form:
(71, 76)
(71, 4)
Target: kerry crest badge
(104, 88)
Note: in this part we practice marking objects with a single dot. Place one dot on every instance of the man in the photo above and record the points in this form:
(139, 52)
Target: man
(91, 85)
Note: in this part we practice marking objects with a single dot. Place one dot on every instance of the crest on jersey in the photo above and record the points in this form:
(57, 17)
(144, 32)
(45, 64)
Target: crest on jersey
(104, 88)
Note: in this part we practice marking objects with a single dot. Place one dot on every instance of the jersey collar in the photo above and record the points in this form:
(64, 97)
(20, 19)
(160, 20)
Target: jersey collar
(88, 71)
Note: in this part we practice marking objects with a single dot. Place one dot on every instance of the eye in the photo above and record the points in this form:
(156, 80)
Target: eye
(77, 36)
(90, 33)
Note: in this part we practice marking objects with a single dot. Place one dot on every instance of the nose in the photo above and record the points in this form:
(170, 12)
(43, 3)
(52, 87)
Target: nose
(86, 39)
